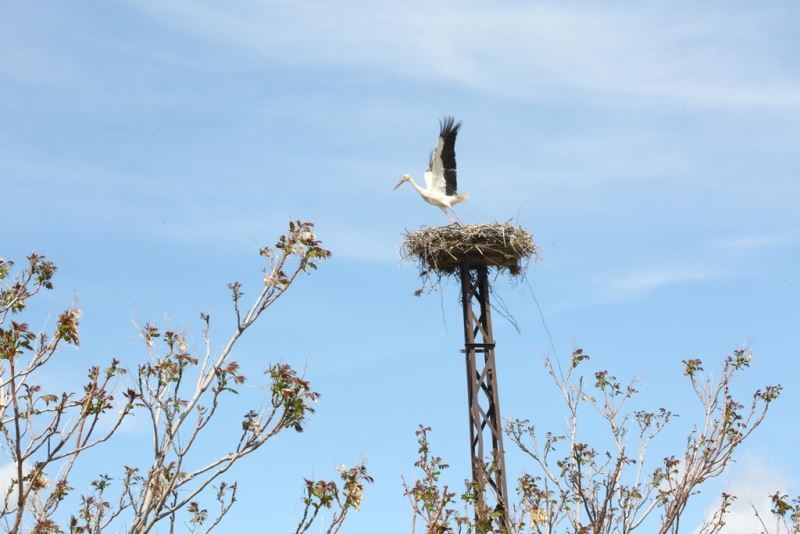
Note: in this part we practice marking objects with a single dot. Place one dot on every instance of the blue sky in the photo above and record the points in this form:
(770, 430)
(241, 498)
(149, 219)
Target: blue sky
(150, 147)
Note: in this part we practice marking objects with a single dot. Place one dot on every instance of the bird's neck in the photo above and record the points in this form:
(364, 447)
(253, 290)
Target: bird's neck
(416, 186)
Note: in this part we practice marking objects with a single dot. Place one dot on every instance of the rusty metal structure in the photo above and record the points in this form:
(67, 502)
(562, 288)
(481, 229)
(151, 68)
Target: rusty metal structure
(467, 253)
(483, 399)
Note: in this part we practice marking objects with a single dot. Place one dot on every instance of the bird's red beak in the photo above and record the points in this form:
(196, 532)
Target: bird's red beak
(399, 183)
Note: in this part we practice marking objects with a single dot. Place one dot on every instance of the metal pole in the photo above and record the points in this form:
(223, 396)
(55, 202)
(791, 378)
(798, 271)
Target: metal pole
(483, 399)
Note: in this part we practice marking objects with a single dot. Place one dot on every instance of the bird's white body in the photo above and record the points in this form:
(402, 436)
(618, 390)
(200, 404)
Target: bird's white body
(435, 196)
(440, 177)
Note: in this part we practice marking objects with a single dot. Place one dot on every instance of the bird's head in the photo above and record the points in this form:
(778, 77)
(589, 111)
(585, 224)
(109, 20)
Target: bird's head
(404, 179)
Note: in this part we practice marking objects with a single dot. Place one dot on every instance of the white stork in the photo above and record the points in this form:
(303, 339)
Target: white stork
(440, 178)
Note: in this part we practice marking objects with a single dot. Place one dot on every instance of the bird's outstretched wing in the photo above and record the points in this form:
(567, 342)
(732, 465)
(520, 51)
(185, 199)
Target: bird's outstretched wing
(443, 162)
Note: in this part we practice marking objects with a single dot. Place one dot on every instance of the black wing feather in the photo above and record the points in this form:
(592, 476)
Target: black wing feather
(447, 132)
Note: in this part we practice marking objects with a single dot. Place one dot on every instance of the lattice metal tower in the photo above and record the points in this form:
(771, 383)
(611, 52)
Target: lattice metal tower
(483, 399)
(468, 252)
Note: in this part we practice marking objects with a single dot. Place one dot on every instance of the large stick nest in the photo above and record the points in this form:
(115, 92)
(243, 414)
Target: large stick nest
(446, 248)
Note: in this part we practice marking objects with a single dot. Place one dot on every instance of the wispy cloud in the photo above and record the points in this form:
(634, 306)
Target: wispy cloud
(8, 472)
(720, 258)
(643, 282)
(756, 241)
(752, 482)
(522, 50)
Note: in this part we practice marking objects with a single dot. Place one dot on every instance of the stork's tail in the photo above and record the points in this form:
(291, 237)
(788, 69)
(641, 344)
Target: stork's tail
(461, 197)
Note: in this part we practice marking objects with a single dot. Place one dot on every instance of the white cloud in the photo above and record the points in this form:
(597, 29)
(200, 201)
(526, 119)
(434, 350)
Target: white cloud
(714, 264)
(640, 283)
(520, 50)
(756, 241)
(7, 473)
(752, 482)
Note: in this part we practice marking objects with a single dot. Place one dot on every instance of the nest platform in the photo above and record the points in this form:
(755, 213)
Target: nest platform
(447, 248)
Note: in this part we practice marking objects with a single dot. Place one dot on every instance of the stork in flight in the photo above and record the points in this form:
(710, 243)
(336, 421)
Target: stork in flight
(440, 178)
